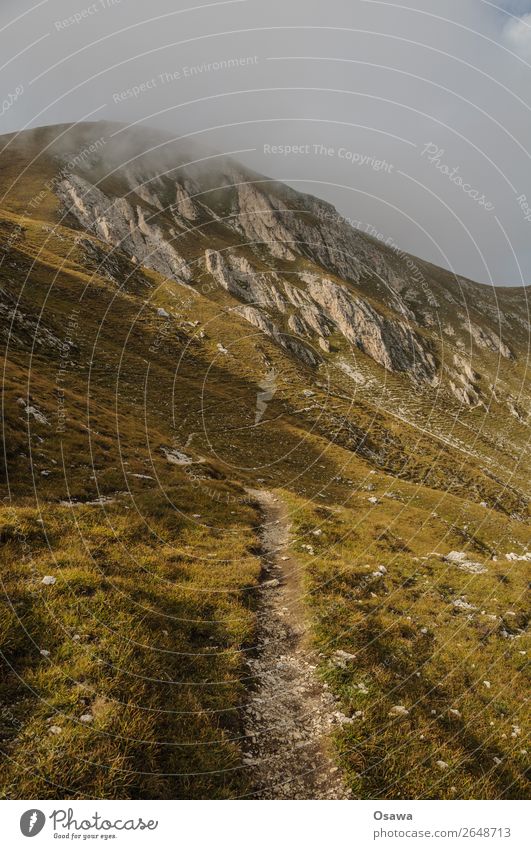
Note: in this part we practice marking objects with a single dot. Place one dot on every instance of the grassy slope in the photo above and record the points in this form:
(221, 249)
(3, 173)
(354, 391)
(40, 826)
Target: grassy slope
(414, 648)
(146, 597)
(151, 614)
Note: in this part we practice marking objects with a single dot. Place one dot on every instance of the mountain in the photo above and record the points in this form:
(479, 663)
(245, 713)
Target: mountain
(182, 339)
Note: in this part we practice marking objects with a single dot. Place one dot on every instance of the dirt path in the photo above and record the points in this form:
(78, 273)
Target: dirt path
(290, 711)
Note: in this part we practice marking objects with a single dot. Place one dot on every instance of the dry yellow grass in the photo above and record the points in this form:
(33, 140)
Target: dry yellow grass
(147, 624)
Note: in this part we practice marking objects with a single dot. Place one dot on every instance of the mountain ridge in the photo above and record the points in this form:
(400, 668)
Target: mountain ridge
(151, 379)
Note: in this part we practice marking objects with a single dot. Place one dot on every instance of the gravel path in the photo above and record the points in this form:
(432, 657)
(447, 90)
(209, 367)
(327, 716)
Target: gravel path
(290, 711)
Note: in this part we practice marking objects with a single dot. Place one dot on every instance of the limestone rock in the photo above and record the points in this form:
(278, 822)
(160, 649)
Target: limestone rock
(391, 344)
(235, 274)
(120, 224)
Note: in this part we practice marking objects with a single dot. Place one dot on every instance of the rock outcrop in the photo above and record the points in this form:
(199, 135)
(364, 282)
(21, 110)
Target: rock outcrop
(390, 343)
(184, 204)
(486, 338)
(235, 274)
(257, 318)
(464, 381)
(309, 312)
(122, 225)
(300, 271)
(316, 310)
(261, 223)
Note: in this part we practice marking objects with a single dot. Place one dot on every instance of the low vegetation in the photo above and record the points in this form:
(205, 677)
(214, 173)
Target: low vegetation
(429, 659)
(131, 552)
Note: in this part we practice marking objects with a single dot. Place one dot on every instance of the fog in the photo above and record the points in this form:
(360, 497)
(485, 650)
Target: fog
(413, 119)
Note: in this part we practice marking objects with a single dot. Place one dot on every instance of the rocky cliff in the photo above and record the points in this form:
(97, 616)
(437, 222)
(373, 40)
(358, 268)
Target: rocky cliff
(297, 271)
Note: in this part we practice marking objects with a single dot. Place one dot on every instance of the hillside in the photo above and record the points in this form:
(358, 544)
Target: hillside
(176, 332)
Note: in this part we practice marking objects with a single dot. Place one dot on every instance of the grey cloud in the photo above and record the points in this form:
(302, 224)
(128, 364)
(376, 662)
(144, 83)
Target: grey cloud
(346, 84)
(517, 35)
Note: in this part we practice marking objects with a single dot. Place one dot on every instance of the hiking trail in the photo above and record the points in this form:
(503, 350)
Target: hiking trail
(290, 712)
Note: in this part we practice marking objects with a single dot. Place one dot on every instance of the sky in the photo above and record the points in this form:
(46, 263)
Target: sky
(413, 118)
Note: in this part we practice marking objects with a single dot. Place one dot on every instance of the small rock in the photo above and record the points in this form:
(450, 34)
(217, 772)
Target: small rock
(456, 556)
(48, 580)
(341, 658)
(55, 729)
(342, 719)
(461, 604)
(398, 710)
(442, 765)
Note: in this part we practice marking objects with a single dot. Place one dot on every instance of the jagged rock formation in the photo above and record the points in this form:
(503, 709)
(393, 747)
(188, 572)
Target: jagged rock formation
(255, 317)
(486, 338)
(464, 381)
(184, 205)
(256, 217)
(238, 277)
(390, 343)
(312, 318)
(323, 306)
(302, 274)
(118, 223)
